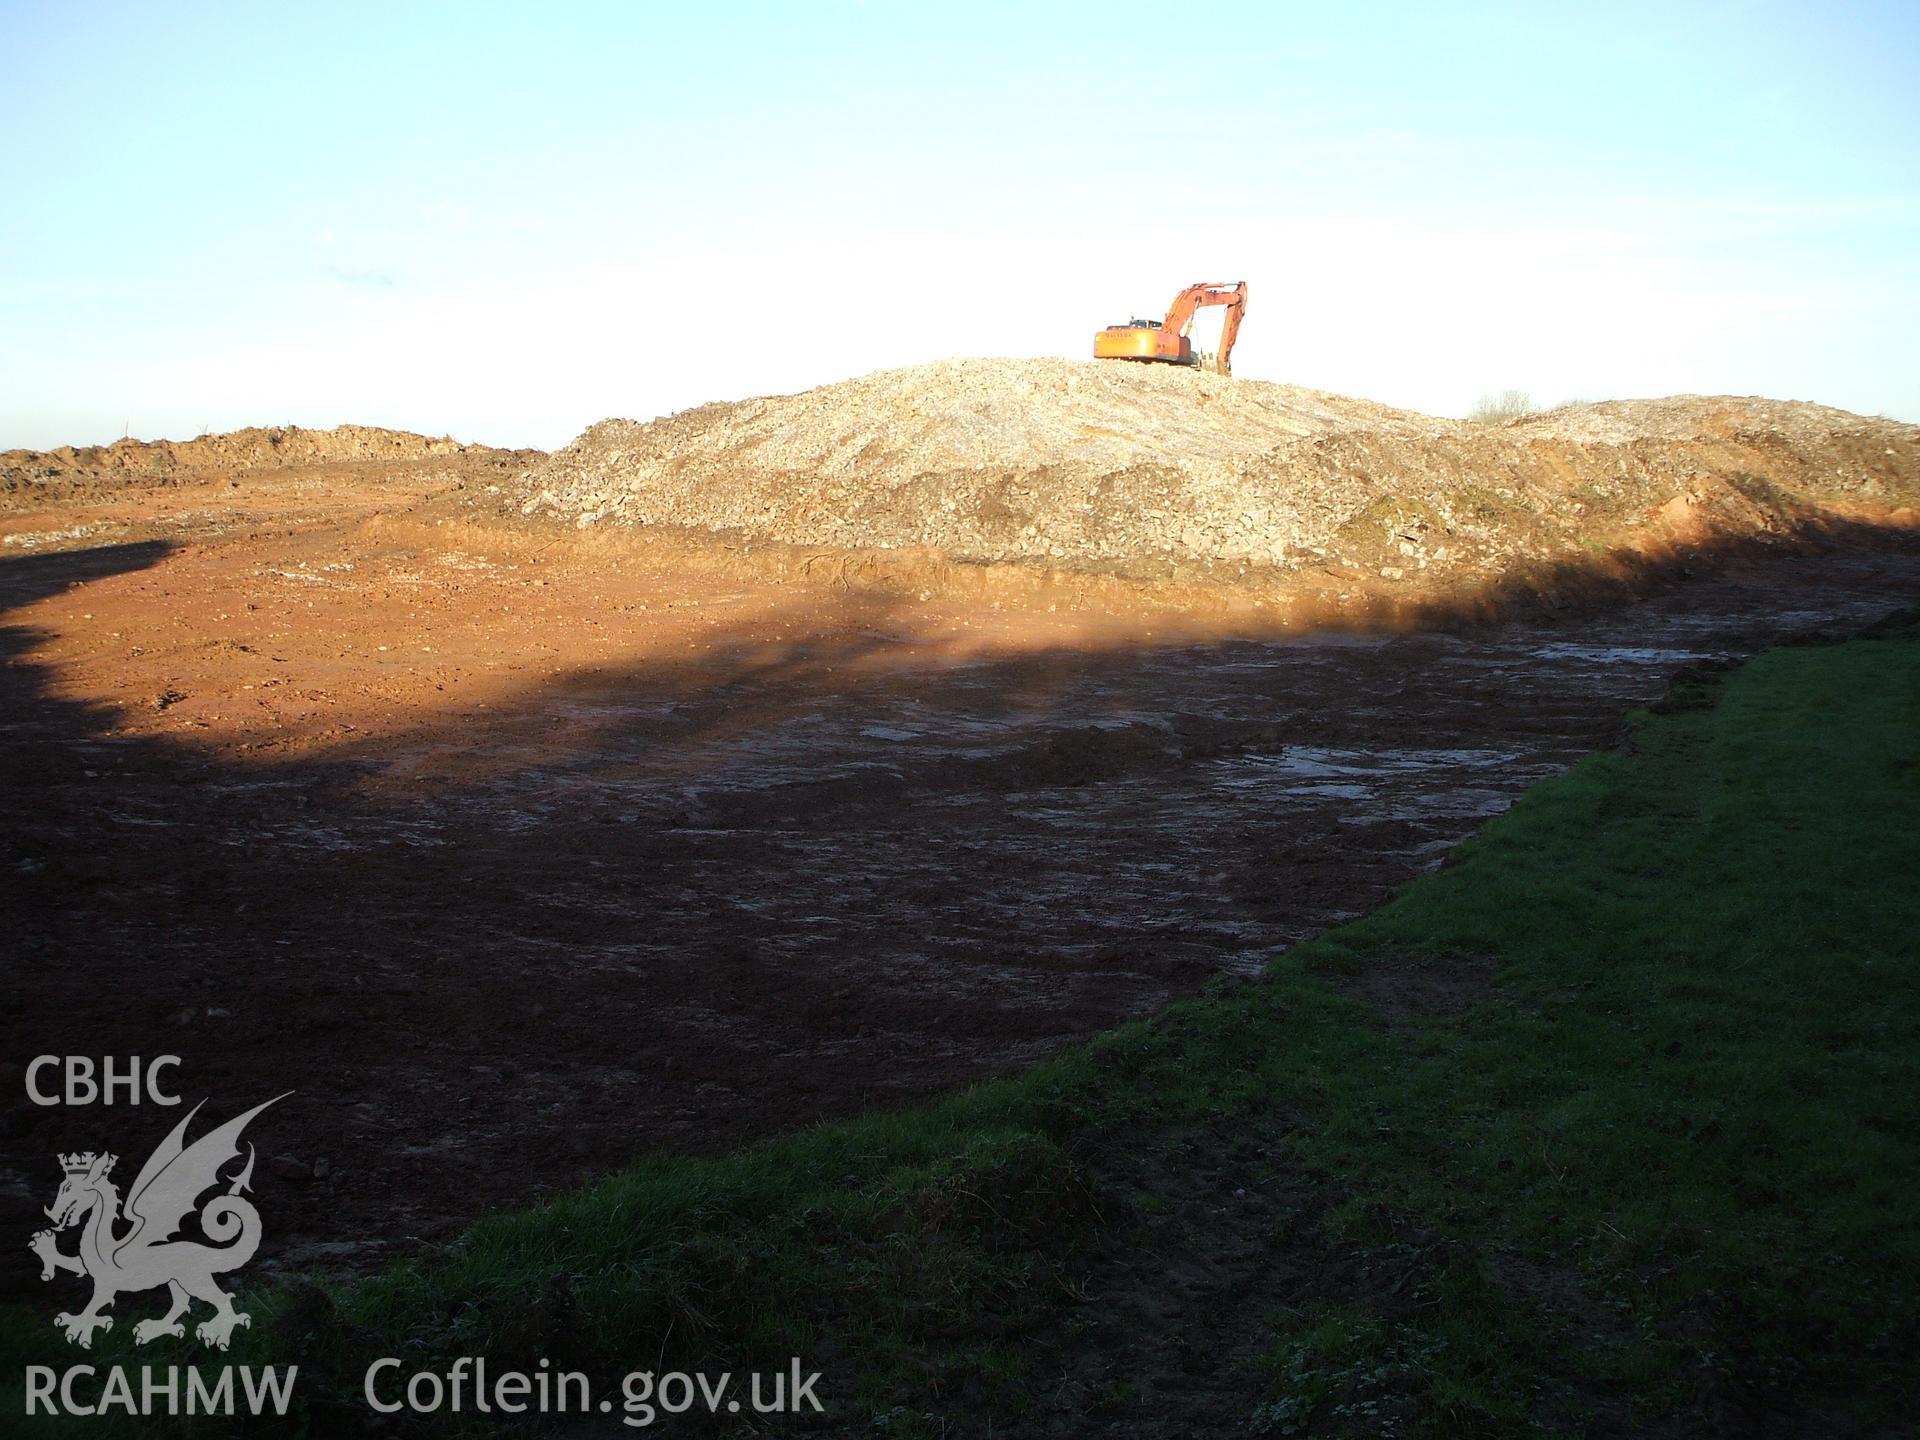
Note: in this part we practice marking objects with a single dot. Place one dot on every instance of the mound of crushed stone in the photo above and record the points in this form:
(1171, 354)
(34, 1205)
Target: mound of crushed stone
(1151, 469)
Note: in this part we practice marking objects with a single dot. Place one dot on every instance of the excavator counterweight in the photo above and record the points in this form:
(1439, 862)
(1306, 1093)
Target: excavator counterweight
(1170, 340)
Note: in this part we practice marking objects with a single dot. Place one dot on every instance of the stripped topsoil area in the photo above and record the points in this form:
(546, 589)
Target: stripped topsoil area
(516, 849)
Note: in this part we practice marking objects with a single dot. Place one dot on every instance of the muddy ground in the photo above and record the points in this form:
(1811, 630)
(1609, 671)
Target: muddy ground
(517, 852)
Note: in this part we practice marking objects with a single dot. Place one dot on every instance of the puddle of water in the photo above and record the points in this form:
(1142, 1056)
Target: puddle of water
(1619, 654)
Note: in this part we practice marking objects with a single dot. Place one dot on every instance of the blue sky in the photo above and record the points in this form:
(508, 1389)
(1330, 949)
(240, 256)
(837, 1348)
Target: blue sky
(507, 222)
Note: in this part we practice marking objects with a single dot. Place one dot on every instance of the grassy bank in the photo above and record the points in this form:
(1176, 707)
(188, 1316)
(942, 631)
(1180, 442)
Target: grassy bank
(1604, 1128)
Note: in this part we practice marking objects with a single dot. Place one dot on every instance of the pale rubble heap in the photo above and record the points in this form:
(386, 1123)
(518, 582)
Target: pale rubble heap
(1116, 466)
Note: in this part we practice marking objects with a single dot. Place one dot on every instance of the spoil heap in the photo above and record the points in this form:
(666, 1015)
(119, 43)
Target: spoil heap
(85, 471)
(1155, 470)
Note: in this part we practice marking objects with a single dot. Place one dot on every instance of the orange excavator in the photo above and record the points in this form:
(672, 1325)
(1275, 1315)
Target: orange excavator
(1167, 340)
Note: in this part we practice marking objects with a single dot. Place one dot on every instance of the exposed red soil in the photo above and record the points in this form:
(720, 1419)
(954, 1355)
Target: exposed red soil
(516, 852)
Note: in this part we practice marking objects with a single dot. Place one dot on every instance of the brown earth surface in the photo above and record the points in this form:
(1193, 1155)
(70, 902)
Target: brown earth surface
(516, 850)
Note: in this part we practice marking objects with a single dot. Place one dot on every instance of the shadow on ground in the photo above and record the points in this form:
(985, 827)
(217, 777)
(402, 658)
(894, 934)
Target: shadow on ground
(696, 902)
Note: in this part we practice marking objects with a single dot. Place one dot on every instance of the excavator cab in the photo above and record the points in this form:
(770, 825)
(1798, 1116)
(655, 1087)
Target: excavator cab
(1169, 341)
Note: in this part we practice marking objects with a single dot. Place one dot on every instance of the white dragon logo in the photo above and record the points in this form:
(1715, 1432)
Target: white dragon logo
(145, 1255)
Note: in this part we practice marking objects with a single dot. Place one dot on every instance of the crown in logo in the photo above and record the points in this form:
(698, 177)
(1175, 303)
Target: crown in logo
(79, 1164)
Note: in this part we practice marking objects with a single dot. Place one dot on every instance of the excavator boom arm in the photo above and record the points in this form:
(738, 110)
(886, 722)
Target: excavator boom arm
(1230, 330)
(1192, 299)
